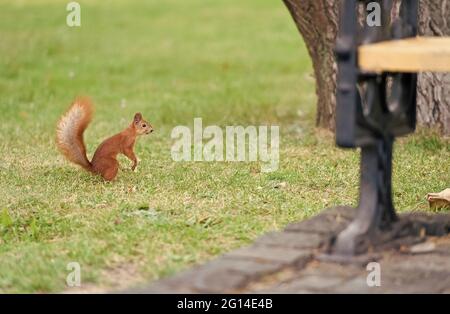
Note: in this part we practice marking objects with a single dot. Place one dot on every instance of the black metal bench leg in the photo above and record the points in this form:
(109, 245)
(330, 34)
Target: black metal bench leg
(372, 109)
(375, 210)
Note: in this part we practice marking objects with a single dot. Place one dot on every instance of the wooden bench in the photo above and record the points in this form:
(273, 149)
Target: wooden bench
(418, 54)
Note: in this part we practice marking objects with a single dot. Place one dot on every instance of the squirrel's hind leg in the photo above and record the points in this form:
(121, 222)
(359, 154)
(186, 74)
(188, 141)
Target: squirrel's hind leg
(110, 173)
(108, 169)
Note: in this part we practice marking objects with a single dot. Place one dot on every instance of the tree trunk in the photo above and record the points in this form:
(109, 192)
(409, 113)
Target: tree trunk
(433, 97)
(317, 21)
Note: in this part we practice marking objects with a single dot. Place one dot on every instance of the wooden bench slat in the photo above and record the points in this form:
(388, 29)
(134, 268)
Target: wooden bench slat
(418, 54)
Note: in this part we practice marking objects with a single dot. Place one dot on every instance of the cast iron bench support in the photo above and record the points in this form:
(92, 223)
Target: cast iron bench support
(372, 109)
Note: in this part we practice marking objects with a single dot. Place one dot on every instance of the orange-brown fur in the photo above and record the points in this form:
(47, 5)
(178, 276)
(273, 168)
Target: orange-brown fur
(69, 139)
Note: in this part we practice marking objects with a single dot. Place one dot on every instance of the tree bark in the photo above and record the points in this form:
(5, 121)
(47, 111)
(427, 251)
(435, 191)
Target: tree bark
(433, 97)
(317, 21)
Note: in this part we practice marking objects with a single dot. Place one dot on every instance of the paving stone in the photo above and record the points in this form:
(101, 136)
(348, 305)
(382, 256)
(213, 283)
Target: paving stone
(418, 263)
(277, 290)
(284, 256)
(179, 283)
(346, 271)
(318, 278)
(328, 222)
(404, 283)
(356, 285)
(250, 268)
(414, 282)
(317, 283)
(416, 274)
(208, 278)
(218, 280)
(296, 240)
(161, 287)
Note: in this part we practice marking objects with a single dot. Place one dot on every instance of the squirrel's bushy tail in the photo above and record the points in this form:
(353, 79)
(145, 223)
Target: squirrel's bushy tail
(70, 129)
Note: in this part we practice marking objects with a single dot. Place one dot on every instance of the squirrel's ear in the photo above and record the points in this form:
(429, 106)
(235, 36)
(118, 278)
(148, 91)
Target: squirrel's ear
(137, 117)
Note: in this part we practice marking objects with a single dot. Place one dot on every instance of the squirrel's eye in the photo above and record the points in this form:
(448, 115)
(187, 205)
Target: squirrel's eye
(144, 125)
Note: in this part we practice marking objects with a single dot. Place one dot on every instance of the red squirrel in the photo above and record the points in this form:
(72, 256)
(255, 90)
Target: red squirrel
(69, 139)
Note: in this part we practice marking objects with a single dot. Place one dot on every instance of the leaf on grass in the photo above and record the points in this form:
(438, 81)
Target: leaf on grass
(439, 200)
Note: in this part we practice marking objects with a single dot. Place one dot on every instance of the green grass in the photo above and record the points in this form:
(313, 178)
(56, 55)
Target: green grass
(227, 61)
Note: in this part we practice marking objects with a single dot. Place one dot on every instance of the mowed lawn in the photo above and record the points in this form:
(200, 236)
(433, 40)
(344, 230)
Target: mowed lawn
(230, 62)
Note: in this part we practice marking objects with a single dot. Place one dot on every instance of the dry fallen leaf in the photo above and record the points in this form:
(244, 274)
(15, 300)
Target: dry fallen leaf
(439, 200)
(425, 247)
